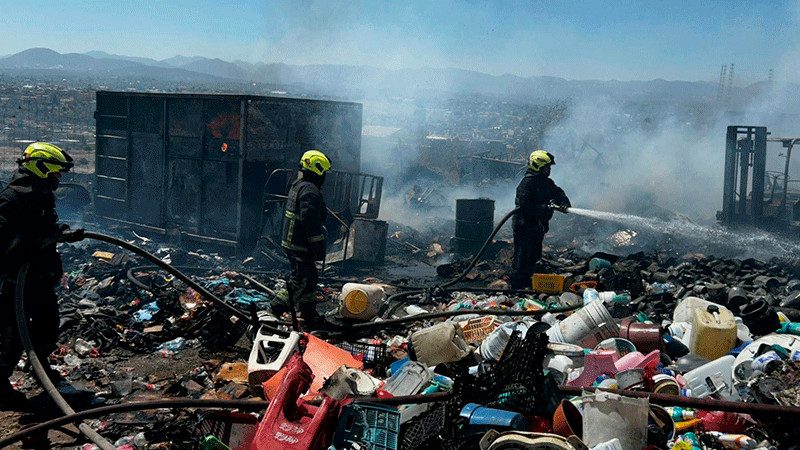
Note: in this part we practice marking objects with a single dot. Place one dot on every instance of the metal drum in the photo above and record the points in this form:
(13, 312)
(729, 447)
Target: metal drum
(474, 224)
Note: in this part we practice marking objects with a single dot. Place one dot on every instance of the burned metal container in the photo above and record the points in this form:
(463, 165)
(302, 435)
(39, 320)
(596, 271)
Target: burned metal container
(474, 224)
(197, 165)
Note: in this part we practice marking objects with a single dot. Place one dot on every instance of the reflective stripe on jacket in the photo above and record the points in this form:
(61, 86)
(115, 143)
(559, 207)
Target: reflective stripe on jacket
(303, 219)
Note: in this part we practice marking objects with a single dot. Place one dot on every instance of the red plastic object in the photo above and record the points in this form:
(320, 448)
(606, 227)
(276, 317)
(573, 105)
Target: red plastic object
(380, 393)
(324, 359)
(290, 424)
(726, 422)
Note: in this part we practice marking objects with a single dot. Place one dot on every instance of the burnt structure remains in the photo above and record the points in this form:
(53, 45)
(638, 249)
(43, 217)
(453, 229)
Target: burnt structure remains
(752, 194)
(209, 169)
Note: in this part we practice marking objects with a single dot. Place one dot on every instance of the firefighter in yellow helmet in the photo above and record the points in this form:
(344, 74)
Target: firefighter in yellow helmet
(27, 218)
(537, 197)
(303, 239)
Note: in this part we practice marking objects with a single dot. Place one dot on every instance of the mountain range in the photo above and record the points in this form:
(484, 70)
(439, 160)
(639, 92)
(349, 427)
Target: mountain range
(363, 81)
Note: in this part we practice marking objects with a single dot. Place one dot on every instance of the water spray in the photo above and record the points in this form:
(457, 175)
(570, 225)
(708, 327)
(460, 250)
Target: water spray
(765, 243)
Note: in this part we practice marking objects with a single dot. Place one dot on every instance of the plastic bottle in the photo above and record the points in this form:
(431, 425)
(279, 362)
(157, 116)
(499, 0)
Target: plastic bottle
(413, 310)
(790, 328)
(767, 362)
(590, 295)
(734, 440)
(680, 414)
(690, 439)
(606, 297)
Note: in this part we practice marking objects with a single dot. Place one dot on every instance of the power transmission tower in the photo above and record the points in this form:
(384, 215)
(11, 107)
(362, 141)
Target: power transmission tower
(721, 84)
(730, 85)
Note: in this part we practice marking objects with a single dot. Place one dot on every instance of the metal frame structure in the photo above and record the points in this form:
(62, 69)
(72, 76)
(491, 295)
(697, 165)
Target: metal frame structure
(770, 201)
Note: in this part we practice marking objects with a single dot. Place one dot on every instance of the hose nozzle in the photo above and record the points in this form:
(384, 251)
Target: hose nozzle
(560, 208)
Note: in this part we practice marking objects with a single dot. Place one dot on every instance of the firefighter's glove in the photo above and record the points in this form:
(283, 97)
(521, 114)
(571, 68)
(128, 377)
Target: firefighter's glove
(70, 235)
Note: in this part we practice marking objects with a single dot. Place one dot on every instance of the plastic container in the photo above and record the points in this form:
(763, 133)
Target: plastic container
(645, 336)
(630, 379)
(590, 295)
(441, 343)
(476, 329)
(482, 419)
(288, 423)
(665, 384)
(607, 416)
(587, 327)
(410, 380)
(568, 420)
(548, 283)
(596, 363)
(558, 351)
(360, 301)
(373, 355)
(269, 353)
(492, 347)
(716, 377)
(375, 425)
(683, 311)
(713, 332)
(607, 297)
(759, 317)
(679, 329)
(613, 444)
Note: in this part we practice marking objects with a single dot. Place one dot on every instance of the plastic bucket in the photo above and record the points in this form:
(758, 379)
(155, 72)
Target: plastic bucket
(607, 416)
(645, 336)
(587, 327)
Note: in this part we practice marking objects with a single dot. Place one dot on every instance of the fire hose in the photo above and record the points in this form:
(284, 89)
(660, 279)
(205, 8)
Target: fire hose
(36, 363)
(38, 368)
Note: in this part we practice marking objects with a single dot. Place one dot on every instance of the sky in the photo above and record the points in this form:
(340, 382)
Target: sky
(586, 39)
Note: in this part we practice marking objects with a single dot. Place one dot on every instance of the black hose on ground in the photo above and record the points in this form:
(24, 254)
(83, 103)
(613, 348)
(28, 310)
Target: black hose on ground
(247, 405)
(241, 315)
(38, 368)
(475, 259)
(462, 312)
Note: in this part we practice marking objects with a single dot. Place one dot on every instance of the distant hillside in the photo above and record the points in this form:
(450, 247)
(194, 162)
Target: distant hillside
(363, 81)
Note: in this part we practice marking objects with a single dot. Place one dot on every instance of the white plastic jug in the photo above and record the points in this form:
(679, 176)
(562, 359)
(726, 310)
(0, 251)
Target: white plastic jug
(360, 301)
(683, 311)
(441, 343)
(715, 377)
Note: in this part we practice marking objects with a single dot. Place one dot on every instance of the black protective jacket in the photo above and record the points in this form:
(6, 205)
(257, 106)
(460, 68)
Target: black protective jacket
(28, 216)
(534, 193)
(303, 219)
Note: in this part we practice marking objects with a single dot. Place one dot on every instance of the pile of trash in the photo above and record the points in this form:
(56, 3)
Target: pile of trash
(605, 352)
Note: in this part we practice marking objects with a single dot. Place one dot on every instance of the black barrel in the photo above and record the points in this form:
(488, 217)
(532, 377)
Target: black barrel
(474, 224)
